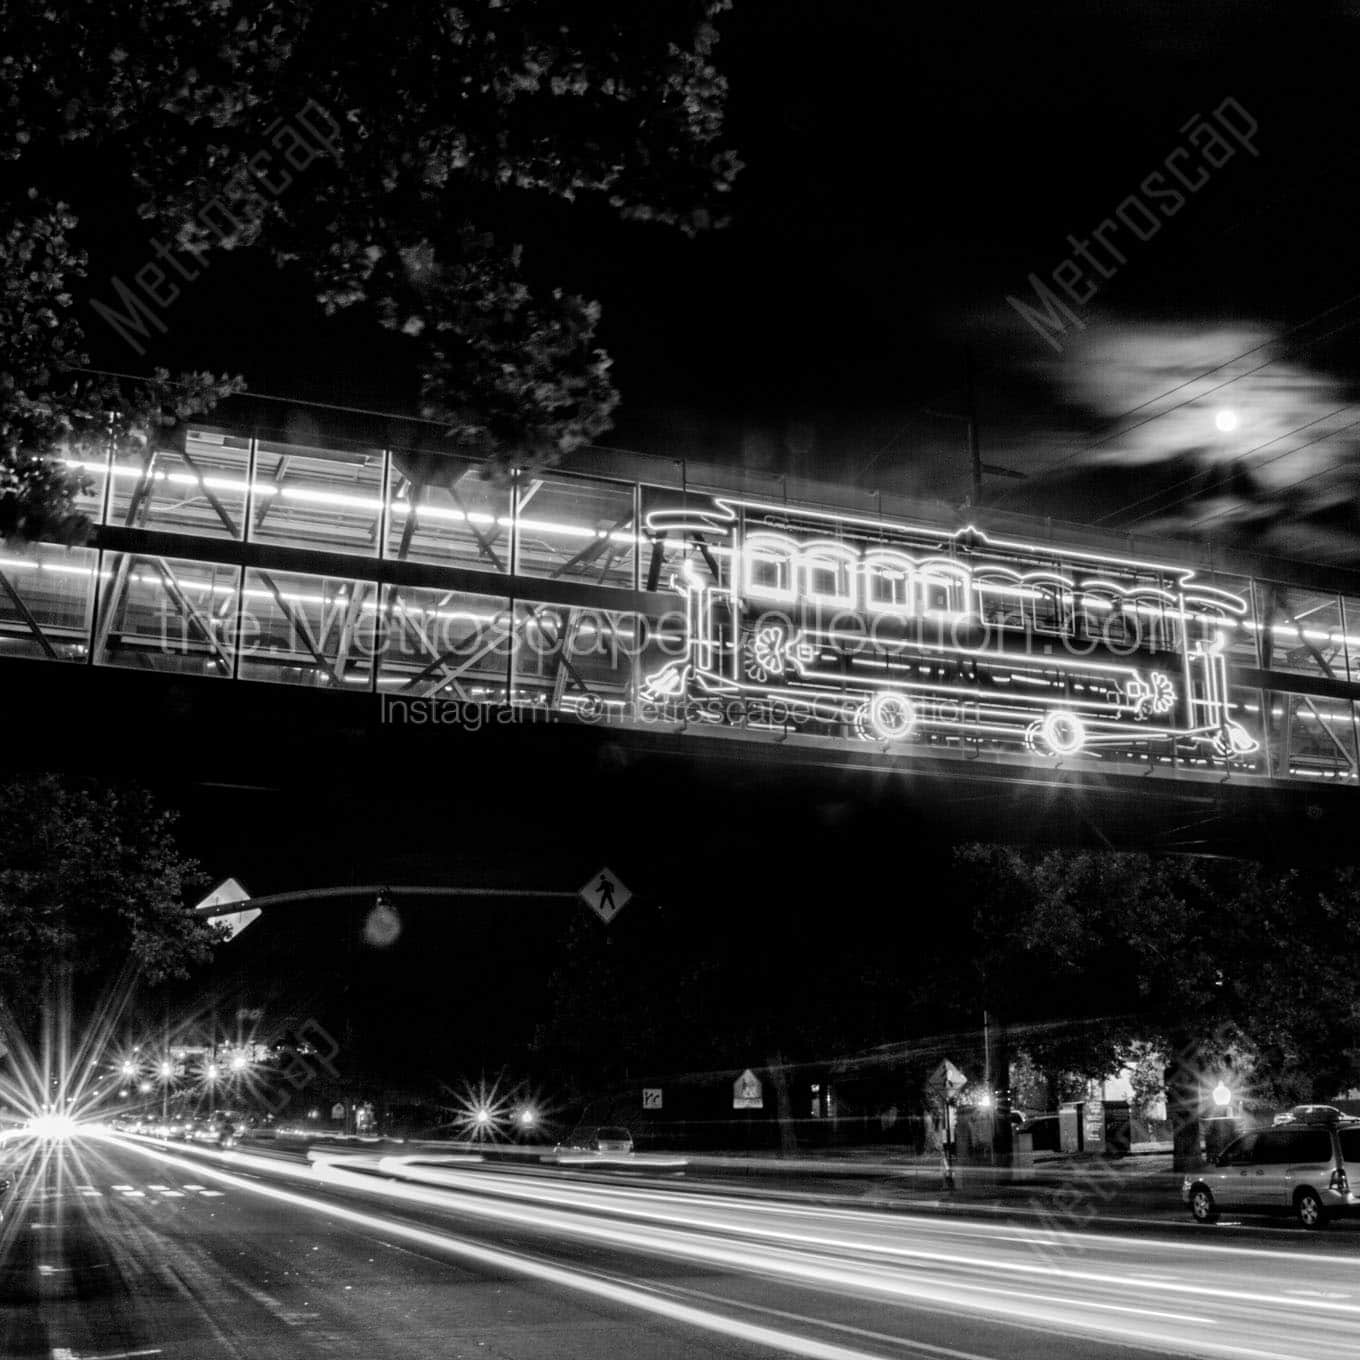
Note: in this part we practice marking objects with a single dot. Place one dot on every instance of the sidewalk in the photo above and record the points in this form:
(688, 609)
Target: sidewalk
(1071, 1185)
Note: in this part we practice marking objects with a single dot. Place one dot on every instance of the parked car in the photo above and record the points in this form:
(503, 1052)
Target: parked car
(610, 1138)
(613, 1139)
(1297, 1166)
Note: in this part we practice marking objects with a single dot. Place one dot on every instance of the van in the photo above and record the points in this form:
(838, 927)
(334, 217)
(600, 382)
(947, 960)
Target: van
(1297, 1166)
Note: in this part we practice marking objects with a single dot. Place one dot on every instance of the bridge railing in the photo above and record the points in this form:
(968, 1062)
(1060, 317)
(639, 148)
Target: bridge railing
(348, 566)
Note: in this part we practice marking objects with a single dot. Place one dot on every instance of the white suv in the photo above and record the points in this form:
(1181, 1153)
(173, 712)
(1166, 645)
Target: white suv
(1297, 1166)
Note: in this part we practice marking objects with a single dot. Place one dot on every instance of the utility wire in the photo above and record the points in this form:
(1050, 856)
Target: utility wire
(1266, 463)
(1157, 495)
(1199, 396)
(1312, 477)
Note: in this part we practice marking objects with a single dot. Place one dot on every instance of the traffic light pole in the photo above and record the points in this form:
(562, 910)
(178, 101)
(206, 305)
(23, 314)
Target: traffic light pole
(374, 889)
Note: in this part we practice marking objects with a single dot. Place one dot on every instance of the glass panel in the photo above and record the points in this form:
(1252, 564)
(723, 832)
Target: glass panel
(443, 510)
(1244, 710)
(161, 613)
(577, 530)
(1300, 631)
(1350, 613)
(308, 630)
(317, 498)
(442, 643)
(1311, 738)
(201, 490)
(1239, 631)
(575, 660)
(46, 593)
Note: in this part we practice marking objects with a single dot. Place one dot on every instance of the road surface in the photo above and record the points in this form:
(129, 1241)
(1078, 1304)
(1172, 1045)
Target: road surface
(125, 1248)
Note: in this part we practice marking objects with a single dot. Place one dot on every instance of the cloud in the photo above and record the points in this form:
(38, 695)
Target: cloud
(1228, 429)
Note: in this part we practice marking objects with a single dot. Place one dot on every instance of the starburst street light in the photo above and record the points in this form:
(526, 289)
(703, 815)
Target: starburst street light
(1225, 420)
(52, 1126)
(483, 1113)
(1222, 1095)
(239, 1062)
(211, 1072)
(167, 1070)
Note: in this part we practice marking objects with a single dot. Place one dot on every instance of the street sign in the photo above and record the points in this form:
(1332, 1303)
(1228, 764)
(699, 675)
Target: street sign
(746, 1092)
(651, 1097)
(948, 1076)
(605, 895)
(227, 892)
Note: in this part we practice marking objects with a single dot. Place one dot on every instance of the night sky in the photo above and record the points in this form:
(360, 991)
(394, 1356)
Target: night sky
(906, 170)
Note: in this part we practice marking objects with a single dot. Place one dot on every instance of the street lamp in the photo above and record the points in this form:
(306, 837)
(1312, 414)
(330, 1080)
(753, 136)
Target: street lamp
(1222, 1096)
(1225, 420)
(239, 1062)
(167, 1071)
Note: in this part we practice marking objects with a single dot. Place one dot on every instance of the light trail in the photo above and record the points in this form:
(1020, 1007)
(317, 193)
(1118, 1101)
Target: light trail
(496, 1258)
(862, 1256)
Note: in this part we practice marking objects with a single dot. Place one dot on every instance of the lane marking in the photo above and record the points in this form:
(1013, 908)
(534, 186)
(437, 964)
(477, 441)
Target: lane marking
(460, 1183)
(64, 1353)
(484, 1257)
(810, 1272)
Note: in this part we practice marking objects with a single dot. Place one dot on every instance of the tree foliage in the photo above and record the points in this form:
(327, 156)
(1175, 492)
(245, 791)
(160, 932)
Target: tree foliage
(1182, 953)
(49, 402)
(91, 879)
(392, 151)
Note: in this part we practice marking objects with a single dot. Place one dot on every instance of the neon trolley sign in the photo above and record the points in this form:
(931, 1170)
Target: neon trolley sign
(894, 634)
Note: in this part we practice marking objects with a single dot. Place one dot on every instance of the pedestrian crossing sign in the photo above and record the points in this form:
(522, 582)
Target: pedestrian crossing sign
(605, 895)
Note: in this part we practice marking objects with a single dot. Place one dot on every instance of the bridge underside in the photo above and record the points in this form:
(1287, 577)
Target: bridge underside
(654, 793)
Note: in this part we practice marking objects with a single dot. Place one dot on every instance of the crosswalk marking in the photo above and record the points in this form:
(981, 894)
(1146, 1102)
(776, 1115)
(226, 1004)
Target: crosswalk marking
(163, 1191)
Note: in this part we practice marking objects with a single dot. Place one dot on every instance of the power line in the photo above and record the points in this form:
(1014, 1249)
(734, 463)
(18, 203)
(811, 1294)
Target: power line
(1170, 392)
(1312, 477)
(1266, 463)
(1199, 396)
(1156, 495)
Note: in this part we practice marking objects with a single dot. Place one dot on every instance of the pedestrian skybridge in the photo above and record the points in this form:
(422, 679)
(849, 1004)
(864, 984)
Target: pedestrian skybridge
(709, 605)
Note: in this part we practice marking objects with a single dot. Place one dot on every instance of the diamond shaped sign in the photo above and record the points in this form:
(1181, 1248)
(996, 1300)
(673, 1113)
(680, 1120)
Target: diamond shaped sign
(227, 894)
(605, 895)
